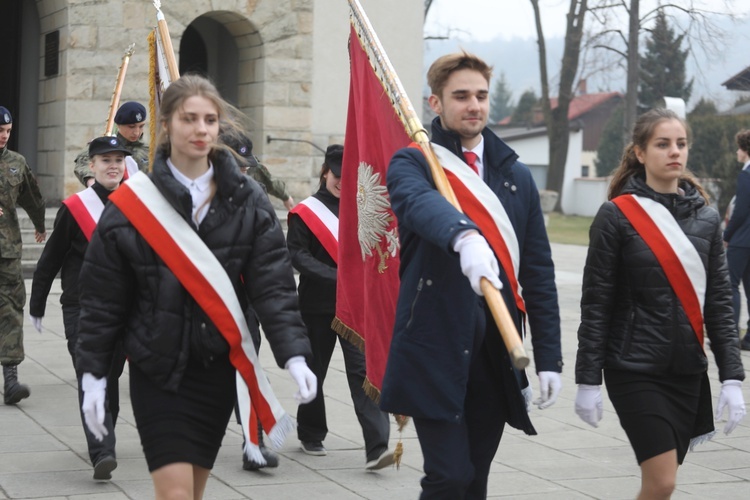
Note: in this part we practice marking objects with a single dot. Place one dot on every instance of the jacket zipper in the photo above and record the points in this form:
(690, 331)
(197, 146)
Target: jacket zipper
(414, 302)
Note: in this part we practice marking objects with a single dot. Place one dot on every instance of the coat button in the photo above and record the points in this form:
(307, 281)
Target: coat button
(466, 352)
(462, 222)
(203, 326)
(242, 185)
(457, 417)
(506, 183)
(512, 188)
(230, 198)
(428, 282)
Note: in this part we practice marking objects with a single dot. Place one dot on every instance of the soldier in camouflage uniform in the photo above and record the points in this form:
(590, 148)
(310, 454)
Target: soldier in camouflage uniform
(17, 187)
(130, 120)
(250, 165)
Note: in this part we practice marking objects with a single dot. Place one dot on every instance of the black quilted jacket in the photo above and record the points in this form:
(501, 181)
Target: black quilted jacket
(128, 292)
(631, 318)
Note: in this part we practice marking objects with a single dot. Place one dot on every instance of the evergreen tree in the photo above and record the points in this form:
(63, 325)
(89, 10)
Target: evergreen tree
(609, 153)
(663, 66)
(501, 105)
(705, 107)
(524, 112)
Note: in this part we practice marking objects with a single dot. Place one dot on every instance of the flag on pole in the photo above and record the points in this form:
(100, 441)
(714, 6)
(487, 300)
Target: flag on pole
(368, 264)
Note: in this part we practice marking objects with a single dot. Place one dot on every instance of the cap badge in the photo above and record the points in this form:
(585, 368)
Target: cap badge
(138, 117)
(243, 150)
(6, 118)
(113, 142)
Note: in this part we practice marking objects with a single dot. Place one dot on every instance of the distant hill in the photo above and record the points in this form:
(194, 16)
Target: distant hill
(518, 59)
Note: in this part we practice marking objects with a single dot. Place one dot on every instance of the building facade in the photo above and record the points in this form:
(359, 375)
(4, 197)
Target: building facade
(283, 63)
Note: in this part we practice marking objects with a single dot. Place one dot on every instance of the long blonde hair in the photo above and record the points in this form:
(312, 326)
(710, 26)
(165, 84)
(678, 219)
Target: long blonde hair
(643, 131)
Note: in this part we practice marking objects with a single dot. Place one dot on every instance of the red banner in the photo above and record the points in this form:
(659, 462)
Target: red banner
(368, 237)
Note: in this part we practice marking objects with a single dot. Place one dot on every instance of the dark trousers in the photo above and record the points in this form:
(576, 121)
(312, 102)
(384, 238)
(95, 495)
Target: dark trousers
(458, 455)
(97, 449)
(738, 260)
(311, 417)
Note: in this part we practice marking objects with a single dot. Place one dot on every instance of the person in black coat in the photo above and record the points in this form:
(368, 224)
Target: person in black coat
(316, 263)
(447, 365)
(64, 253)
(638, 327)
(737, 232)
(182, 381)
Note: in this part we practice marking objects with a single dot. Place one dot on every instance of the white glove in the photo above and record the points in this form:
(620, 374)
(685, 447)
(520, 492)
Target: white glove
(305, 378)
(94, 394)
(589, 404)
(37, 322)
(477, 261)
(731, 397)
(549, 388)
(528, 396)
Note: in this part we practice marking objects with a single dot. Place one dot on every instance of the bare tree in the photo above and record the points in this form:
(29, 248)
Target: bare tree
(558, 128)
(691, 19)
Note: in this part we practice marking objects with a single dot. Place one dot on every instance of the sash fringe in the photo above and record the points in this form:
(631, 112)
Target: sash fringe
(701, 439)
(278, 434)
(348, 334)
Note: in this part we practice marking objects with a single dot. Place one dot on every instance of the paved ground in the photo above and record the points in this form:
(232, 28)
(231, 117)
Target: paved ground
(43, 454)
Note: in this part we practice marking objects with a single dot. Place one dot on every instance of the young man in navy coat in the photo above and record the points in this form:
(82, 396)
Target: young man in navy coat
(737, 232)
(448, 367)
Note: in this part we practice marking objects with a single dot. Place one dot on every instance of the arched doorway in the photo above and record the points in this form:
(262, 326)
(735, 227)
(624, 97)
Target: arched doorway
(208, 48)
(19, 87)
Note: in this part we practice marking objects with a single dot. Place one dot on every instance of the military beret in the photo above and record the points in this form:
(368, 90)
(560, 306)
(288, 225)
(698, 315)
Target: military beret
(242, 145)
(334, 157)
(106, 144)
(5, 117)
(129, 113)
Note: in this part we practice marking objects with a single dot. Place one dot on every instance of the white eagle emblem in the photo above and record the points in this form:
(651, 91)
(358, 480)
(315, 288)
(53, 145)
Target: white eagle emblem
(374, 216)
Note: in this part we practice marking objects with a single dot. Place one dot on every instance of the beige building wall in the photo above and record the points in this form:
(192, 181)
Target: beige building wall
(292, 75)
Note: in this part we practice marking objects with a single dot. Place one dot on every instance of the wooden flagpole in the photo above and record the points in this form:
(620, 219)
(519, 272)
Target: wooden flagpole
(115, 101)
(405, 111)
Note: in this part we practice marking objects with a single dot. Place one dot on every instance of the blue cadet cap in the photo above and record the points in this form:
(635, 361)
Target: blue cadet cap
(129, 113)
(5, 117)
(334, 157)
(107, 144)
(242, 145)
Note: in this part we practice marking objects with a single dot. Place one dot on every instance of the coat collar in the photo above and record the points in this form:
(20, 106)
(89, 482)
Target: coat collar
(497, 154)
(681, 205)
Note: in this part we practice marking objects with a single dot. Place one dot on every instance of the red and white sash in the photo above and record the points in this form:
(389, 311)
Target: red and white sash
(86, 207)
(197, 269)
(484, 208)
(131, 168)
(678, 257)
(322, 222)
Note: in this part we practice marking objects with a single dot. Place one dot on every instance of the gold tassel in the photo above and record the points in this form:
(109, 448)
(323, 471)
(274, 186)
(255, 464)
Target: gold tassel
(348, 334)
(398, 453)
(152, 97)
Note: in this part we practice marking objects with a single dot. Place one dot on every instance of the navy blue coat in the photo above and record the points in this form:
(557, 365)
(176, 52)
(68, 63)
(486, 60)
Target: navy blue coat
(440, 321)
(737, 233)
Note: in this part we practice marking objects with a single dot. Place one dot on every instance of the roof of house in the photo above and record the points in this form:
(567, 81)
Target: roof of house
(579, 105)
(740, 81)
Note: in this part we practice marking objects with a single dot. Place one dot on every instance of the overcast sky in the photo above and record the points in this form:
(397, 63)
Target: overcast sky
(483, 20)
(478, 24)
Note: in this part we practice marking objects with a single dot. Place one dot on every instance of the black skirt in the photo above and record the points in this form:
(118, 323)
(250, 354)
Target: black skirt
(660, 413)
(189, 425)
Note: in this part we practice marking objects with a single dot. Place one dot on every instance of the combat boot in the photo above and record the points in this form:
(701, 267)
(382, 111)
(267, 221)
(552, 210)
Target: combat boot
(14, 390)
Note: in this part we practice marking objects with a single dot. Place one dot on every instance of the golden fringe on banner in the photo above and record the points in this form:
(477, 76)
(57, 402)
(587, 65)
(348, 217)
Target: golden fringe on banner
(347, 333)
(152, 111)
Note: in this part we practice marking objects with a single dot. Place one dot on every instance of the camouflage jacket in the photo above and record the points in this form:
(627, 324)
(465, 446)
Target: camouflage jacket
(262, 176)
(138, 148)
(18, 187)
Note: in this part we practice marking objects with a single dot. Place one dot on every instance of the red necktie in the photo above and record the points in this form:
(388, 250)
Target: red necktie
(471, 159)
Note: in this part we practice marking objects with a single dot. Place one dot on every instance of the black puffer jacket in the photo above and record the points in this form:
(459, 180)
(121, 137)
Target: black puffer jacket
(127, 291)
(630, 317)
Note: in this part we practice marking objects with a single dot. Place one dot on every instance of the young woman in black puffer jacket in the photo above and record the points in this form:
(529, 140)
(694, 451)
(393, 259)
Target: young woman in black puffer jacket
(182, 380)
(640, 324)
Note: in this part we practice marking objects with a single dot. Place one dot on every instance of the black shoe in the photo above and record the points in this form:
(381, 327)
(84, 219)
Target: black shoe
(272, 460)
(745, 344)
(384, 460)
(104, 467)
(314, 448)
(13, 390)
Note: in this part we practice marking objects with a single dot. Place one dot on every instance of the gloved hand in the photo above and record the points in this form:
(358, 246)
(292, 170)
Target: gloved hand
(549, 388)
(305, 378)
(589, 404)
(94, 394)
(528, 396)
(477, 260)
(731, 398)
(37, 322)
